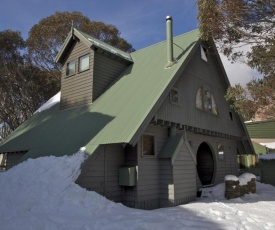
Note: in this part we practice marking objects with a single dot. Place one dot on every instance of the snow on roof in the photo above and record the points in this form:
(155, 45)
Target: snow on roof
(51, 102)
(270, 145)
(270, 156)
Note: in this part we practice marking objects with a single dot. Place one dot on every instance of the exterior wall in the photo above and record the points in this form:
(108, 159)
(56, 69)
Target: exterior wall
(14, 158)
(100, 172)
(184, 174)
(77, 89)
(106, 70)
(198, 73)
(222, 167)
(148, 194)
(268, 171)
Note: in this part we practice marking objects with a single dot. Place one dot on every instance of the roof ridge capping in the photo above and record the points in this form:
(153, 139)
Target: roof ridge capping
(103, 45)
(164, 41)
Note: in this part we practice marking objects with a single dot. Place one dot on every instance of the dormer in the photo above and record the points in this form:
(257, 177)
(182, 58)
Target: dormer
(89, 66)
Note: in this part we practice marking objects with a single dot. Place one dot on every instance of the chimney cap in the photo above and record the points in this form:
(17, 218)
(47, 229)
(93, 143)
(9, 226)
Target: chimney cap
(169, 18)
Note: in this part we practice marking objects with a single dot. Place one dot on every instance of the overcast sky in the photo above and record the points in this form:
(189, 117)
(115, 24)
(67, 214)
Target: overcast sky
(141, 22)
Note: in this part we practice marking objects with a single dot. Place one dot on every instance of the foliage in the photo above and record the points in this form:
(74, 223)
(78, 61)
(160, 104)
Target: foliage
(46, 37)
(23, 86)
(256, 100)
(237, 23)
(28, 74)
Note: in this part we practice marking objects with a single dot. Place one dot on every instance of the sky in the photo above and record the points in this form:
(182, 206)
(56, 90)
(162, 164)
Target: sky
(141, 22)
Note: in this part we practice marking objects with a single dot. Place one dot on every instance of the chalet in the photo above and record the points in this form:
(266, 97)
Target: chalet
(154, 122)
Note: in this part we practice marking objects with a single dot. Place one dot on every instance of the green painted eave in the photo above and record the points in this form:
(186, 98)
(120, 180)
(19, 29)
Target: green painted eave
(261, 129)
(117, 116)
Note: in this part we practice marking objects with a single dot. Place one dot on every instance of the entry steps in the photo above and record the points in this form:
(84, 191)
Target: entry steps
(205, 191)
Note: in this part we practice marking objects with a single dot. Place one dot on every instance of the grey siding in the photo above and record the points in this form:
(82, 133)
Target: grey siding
(184, 174)
(77, 89)
(106, 70)
(196, 74)
(222, 167)
(268, 171)
(100, 172)
(148, 193)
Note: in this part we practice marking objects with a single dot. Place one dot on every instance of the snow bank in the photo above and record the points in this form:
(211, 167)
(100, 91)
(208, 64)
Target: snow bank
(41, 194)
(270, 156)
(51, 102)
(245, 178)
(231, 177)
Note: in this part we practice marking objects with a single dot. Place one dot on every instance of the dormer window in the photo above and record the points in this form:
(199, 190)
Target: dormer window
(70, 68)
(205, 100)
(84, 63)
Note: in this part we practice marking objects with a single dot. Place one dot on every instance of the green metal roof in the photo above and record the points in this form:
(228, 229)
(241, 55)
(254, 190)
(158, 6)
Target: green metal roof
(117, 116)
(259, 149)
(261, 129)
(171, 146)
(91, 41)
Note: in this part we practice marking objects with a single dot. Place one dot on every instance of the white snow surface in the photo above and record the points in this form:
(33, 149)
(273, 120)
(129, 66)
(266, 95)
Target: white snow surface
(231, 177)
(51, 102)
(246, 177)
(269, 156)
(41, 194)
(270, 145)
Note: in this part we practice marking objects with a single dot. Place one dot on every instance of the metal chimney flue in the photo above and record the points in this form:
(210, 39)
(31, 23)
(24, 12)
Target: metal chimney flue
(169, 37)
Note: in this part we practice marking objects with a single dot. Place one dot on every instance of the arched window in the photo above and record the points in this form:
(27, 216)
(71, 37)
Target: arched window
(205, 100)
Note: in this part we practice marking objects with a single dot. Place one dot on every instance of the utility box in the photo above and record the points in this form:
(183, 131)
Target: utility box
(127, 176)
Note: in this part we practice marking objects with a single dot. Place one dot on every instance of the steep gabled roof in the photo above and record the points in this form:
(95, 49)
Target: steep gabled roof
(91, 41)
(118, 116)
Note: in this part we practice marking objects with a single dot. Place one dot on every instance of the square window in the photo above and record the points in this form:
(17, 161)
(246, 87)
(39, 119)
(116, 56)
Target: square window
(221, 152)
(70, 68)
(84, 63)
(148, 145)
(174, 96)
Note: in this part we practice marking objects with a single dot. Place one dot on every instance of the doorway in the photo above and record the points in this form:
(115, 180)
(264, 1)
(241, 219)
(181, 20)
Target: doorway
(205, 164)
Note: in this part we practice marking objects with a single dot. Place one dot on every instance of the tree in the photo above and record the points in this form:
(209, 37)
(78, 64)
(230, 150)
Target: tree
(256, 100)
(23, 87)
(46, 37)
(237, 23)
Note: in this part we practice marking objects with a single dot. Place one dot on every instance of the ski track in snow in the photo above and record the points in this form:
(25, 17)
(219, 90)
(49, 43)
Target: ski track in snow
(41, 194)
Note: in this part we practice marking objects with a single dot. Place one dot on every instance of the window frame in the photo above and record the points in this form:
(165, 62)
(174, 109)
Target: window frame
(67, 69)
(221, 154)
(201, 101)
(171, 96)
(79, 62)
(154, 145)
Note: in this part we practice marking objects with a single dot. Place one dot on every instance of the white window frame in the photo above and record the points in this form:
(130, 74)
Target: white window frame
(72, 62)
(201, 100)
(80, 63)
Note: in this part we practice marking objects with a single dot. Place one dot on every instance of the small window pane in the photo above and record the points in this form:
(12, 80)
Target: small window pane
(221, 151)
(148, 145)
(207, 100)
(174, 96)
(214, 106)
(199, 99)
(70, 68)
(84, 63)
(203, 53)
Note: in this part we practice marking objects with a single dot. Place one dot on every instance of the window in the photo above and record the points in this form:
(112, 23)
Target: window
(3, 162)
(70, 68)
(174, 96)
(148, 145)
(205, 100)
(231, 116)
(84, 63)
(220, 151)
(203, 53)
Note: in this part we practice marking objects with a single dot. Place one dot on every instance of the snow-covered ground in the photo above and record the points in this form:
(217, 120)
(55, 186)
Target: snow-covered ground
(41, 194)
